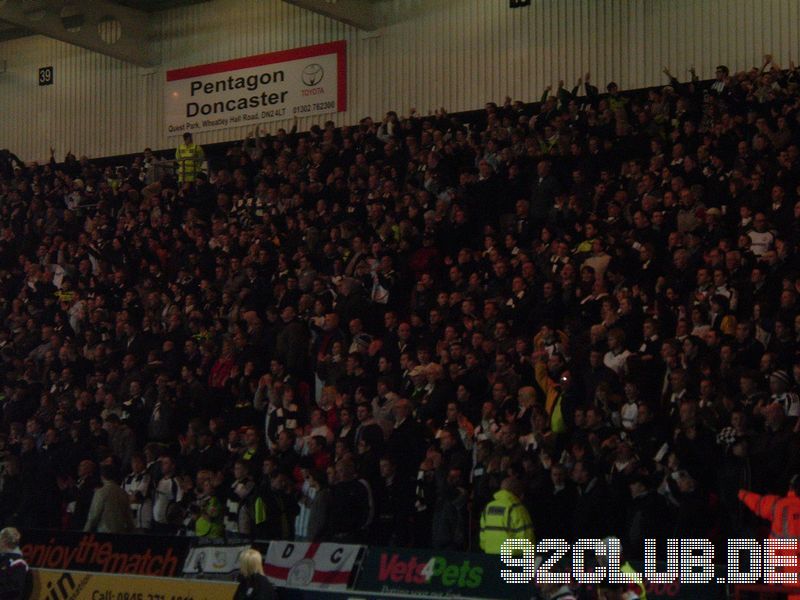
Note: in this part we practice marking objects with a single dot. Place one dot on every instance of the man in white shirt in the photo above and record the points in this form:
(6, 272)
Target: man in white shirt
(617, 356)
(238, 516)
(167, 492)
(629, 413)
(137, 486)
(761, 240)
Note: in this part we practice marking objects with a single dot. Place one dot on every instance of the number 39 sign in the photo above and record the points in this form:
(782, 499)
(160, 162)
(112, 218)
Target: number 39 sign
(46, 76)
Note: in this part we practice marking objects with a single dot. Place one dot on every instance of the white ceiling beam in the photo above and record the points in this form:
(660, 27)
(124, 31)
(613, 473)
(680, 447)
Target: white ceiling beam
(110, 29)
(364, 14)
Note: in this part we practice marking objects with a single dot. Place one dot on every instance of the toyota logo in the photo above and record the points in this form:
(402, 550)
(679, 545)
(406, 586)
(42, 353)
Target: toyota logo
(312, 74)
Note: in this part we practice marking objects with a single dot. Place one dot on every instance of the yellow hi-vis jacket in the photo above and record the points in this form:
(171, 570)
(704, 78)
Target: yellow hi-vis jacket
(553, 397)
(635, 583)
(190, 161)
(504, 518)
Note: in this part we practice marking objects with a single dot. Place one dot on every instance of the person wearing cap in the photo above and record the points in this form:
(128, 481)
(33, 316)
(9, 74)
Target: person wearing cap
(505, 517)
(15, 575)
(189, 157)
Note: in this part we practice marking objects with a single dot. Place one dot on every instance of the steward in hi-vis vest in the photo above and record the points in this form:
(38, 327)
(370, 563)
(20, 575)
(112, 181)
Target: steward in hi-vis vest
(505, 517)
(189, 157)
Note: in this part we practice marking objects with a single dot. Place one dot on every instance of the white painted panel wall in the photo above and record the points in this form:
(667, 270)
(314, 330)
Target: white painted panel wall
(452, 53)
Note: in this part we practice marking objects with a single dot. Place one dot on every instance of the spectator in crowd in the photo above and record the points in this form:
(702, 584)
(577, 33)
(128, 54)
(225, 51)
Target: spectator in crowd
(167, 493)
(110, 511)
(314, 501)
(238, 505)
(351, 509)
(79, 494)
(206, 512)
(137, 485)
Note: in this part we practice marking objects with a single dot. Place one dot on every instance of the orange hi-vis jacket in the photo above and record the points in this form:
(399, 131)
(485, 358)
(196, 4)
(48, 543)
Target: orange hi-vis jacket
(783, 512)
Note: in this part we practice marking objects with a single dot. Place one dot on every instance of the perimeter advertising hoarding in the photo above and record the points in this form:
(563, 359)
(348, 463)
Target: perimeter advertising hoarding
(79, 585)
(103, 553)
(305, 570)
(213, 561)
(311, 565)
(248, 91)
(434, 574)
(441, 574)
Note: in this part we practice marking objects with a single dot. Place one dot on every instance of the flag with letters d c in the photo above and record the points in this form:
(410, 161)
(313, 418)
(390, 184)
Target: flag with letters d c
(310, 565)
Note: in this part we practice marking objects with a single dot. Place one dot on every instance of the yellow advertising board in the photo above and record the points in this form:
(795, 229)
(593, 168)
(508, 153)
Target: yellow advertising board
(78, 585)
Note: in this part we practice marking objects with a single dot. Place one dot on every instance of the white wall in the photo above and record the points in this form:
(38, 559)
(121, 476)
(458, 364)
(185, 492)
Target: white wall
(455, 53)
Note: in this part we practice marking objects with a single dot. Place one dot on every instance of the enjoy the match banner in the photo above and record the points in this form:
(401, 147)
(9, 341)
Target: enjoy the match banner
(155, 556)
(269, 87)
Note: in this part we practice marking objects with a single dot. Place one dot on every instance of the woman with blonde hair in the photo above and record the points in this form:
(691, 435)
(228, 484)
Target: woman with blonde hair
(253, 584)
(15, 576)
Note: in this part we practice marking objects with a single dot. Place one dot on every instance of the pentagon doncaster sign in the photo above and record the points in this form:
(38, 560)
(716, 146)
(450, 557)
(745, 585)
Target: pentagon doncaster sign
(268, 87)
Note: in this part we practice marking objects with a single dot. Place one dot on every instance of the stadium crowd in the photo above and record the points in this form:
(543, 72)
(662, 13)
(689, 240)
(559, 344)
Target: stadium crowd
(362, 334)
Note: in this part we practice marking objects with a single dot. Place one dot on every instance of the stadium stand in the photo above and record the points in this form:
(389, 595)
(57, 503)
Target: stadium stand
(358, 334)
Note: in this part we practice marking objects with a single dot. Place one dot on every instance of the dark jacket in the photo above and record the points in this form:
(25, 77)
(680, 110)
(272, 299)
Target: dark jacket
(255, 587)
(647, 517)
(406, 445)
(292, 346)
(448, 531)
(349, 512)
(394, 502)
(552, 513)
(594, 515)
(543, 194)
(15, 577)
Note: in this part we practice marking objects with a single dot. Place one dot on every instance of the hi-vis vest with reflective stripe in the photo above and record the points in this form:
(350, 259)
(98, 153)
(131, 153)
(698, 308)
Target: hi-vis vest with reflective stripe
(504, 518)
(190, 161)
(783, 513)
